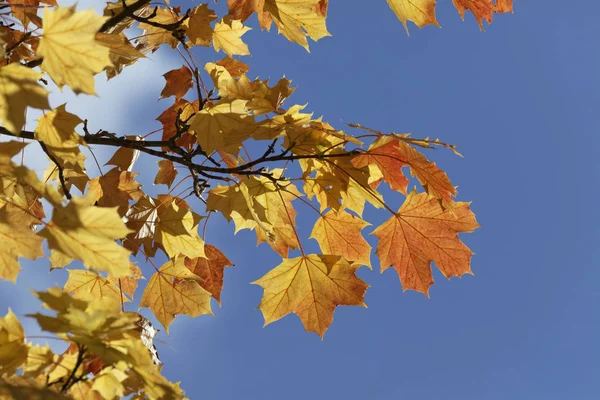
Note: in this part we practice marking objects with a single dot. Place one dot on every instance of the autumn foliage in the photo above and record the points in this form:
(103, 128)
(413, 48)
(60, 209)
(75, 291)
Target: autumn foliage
(203, 151)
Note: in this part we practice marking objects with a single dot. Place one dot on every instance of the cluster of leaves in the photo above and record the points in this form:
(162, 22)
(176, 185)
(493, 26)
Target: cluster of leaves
(303, 160)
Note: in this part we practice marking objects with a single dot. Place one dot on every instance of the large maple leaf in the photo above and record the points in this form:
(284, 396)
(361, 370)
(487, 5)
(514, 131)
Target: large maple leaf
(71, 54)
(422, 232)
(311, 286)
(172, 291)
(295, 19)
(88, 233)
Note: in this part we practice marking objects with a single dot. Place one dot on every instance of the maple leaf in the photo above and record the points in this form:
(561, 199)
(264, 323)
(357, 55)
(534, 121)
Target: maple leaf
(259, 203)
(390, 154)
(421, 12)
(19, 89)
(482, 9)
(422, 232)
(154, 36)
(169, 117)
(210, 270)
(71, 54)
(109, 383)
(178, 82)
(338, 233)
(129, 284)
(89, 286)
(16, 240)
(311, 286)
(177, 231)
(124, 157)
(88, 233)
(122, 53)
(242, 9)
(13, 350)
(228, 36)
(235, 67)
(295, 19)
(222, 126)
(56, 129)
(230, 88)
(384, 156)
(504, 6)
(115, 189)
(198, 28)
(166, 173)
(167, 299)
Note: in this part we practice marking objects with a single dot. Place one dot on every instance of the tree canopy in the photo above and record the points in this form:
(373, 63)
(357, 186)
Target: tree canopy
(239, 150)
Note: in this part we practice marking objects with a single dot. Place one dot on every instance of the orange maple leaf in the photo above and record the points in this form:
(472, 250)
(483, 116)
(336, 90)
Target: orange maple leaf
(422, 232)
(210, 270)
(178, 82)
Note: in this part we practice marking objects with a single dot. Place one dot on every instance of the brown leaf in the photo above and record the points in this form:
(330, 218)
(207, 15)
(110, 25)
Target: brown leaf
(166, 173)
(179, 81)
(235, 68)
(210, 270)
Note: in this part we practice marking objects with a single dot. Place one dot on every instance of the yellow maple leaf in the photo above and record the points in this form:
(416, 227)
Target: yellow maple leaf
(172, 291)
(338, 233)
(422, 232)
(13, 350)
(16, 241)
(311, 286)
(177, 231)
(297, 19)
(19, 89)
(228, 36)
(89, 286)
(109, 383)
(56, 129)
(421, 12)
(88, 233)
(71, 54)
(223, 126)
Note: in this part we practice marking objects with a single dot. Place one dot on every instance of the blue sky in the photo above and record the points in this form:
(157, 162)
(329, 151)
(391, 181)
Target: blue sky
(520, 101)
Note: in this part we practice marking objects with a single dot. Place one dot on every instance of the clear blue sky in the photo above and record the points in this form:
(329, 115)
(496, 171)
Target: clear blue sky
(520, 100)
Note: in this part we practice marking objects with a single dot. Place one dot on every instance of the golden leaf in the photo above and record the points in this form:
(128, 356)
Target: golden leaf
(13, 350)
(19, 89)
(338, 233)
(311, 286)
(421, 12)
(71, 54)
(167, 299)
(88, 233)
(228, 36)
(89, 286)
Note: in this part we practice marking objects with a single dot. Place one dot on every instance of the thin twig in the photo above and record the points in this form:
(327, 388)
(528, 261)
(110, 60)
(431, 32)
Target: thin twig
(61, 175)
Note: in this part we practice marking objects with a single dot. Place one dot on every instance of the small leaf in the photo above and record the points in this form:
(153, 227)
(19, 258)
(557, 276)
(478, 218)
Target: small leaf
(179, 81)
